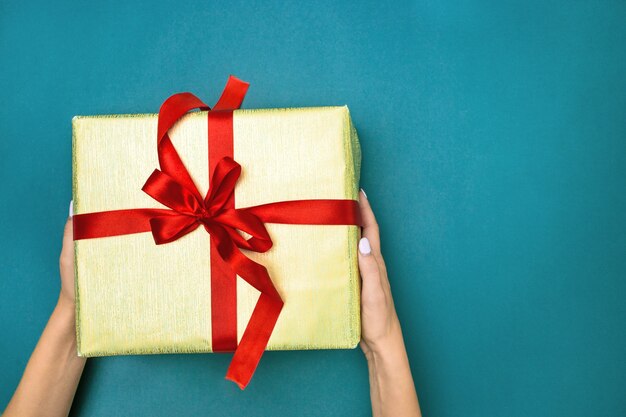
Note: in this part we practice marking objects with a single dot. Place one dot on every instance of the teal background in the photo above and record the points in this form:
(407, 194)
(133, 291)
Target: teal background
(494, 155)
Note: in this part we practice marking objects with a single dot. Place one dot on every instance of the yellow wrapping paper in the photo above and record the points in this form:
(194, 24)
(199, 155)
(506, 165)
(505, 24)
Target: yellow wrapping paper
(136, 297)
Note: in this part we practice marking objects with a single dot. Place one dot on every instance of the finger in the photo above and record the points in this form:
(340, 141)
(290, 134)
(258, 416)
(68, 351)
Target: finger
(68, 233)
(371, 231)
(368, 265)
(68, 230)
(370, 226)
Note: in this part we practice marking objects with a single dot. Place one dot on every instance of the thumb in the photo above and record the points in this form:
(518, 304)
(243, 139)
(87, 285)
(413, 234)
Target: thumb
(368, 265)
(68, 234)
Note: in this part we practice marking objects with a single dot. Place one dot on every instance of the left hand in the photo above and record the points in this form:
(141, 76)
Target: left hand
(381, 332)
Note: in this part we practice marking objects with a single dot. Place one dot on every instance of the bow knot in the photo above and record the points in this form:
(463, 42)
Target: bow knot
(204, 214)
(190, 210)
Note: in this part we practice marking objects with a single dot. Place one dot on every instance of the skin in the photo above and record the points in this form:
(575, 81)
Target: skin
(53, 371)
(392, 390)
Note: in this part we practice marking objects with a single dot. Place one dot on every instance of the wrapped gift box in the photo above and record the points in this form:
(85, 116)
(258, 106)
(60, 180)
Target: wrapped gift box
(136, 297)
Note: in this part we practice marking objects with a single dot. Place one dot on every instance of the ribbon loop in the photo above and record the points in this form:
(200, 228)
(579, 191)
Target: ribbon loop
(167, 229)
(223, 179)
(191, 212)
(170, 193)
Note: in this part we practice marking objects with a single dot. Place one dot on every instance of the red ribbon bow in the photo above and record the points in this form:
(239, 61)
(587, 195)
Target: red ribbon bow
(192, 210)
(173, 187)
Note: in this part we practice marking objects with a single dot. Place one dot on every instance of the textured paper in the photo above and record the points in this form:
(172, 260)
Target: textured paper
(136, 297)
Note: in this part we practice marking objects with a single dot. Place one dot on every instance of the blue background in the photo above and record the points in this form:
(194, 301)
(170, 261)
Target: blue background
(494, 155)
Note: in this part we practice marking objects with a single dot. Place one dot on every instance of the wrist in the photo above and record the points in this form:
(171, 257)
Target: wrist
(65, 305)
(62, 323)
(64, 315)
(386, 348)
(391, 382)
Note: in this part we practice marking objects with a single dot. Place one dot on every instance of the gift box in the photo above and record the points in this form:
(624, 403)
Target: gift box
(244, 240)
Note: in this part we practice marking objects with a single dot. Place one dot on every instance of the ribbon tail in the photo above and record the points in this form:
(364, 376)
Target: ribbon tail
(261, 324)
(254, 340)
(265, 314)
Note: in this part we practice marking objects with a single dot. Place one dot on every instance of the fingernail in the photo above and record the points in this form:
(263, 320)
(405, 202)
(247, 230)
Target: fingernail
(71, 208)
(363, 191)
(364, 246)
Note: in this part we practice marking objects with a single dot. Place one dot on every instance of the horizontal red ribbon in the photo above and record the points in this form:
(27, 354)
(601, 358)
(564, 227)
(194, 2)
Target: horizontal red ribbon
(174, 188)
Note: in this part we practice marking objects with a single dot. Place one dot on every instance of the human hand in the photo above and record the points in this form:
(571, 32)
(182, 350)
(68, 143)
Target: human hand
(379, 321)
(392, 389)
(52, 373)
(66, 264)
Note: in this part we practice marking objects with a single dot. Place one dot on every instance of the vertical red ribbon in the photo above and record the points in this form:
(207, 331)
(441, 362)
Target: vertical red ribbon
(223, 279)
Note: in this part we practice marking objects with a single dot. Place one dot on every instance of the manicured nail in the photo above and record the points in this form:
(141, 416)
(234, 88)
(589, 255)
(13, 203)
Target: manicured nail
(363, 191)
(364, 246)
(71, 208)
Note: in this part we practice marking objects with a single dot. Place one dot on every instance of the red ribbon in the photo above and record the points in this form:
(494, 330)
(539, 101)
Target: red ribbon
(174, 188)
